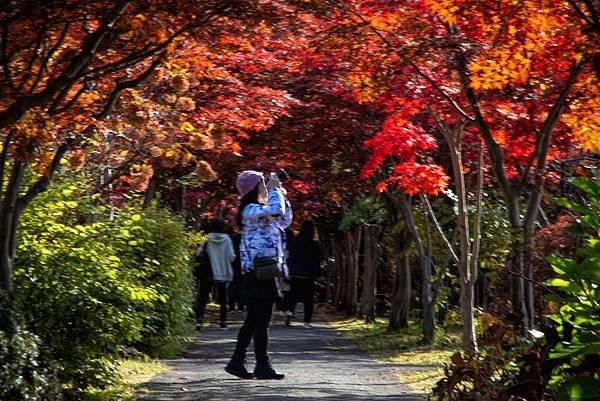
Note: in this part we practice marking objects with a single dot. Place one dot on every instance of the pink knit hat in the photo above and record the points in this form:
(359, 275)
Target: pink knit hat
(247, 180)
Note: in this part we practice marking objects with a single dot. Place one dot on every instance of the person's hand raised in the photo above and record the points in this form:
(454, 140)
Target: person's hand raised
(273, 181)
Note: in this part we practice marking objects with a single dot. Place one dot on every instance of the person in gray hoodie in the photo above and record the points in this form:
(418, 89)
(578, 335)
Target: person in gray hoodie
(219, 248)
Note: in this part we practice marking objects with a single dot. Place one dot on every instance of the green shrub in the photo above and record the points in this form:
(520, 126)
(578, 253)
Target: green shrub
(26, 374)
(578, 317)
(72, 286)
(154, 249)
(91, 289)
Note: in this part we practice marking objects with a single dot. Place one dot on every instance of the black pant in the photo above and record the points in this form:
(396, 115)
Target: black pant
(303, 291)
(284, 303)
(255, 326)
(234, 293)
(220, 295)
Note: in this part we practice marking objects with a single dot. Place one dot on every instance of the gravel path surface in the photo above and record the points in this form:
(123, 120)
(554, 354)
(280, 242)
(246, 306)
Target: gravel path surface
(319, 363)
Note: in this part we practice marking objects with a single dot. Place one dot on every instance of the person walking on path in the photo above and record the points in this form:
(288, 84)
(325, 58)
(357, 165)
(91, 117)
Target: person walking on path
(263, 212)
(284, 302)
(234, 294)
(219, 249)
(304, 263)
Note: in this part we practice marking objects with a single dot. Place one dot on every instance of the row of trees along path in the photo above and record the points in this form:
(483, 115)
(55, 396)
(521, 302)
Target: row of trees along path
(496, 100)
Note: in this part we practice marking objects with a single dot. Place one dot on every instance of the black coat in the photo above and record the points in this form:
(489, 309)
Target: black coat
(304, 258)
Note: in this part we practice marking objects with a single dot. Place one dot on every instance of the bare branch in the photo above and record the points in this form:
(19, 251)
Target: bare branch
(53, 49)
(544, 286)
(69, 75)
(541, 151)
(554, 115)
(579, 11)
(42, 183)
(34, 55)
(445, 241)
(494, 149)
(53, 110)
(594, 12)
(121, 86)
(4, 56)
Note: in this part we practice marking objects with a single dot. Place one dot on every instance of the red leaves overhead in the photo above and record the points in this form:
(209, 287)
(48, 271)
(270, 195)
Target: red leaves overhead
(405, 143)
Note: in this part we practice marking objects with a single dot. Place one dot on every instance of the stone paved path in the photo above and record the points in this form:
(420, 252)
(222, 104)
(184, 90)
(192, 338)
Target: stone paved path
(320, 364)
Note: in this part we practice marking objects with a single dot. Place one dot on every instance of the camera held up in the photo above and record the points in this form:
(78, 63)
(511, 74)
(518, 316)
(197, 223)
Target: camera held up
(282, 174)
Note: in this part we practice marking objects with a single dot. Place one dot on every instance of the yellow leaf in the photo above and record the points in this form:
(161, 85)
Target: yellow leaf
(187, 126)
(188, 157)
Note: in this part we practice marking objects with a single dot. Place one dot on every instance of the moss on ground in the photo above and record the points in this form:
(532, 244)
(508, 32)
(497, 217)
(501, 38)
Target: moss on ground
(132, 373)
(419, 366)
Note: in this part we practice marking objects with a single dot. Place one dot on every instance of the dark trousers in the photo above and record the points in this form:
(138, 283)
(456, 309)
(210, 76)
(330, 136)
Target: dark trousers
(219, 295)
(285, 303)
(303, 291)
(234, 293)
(255, 326)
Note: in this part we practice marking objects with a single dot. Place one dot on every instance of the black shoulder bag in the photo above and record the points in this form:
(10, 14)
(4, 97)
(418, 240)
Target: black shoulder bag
(265, 267)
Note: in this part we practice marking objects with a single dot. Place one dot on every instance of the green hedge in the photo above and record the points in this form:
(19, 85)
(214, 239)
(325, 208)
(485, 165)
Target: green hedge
(153, 248)
(26, 373)
(90, 288)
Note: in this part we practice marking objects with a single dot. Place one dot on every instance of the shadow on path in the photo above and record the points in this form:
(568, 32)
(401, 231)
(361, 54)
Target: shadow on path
(319, 364)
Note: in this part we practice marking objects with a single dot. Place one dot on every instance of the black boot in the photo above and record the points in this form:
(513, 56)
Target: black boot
(236, 367)
(264, 370)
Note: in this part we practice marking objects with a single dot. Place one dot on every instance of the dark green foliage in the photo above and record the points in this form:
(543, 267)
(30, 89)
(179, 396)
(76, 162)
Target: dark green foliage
(26, 373)
(91, 289)
(578, 317)
(365, 211)
(562, 361)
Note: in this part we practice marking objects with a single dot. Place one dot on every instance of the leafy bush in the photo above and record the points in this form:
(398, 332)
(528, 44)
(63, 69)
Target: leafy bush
(562, 361)
(90, 289)
(578, 317)
(154, 249)
(26, 374)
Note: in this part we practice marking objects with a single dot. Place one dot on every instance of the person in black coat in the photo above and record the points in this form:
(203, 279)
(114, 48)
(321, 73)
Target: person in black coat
(235, 289)
(304, 263)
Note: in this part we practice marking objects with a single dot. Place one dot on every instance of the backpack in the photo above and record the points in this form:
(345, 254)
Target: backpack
(203, 268)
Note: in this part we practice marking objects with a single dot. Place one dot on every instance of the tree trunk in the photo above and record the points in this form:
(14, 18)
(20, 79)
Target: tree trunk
(528, 294)
(343, 274)
(330, 271)
(401, 240)
(7, 227)
(338, 278)
(466, 275)
(425, 264)
(427, 299)
(150, 192)
(401, 302)
(367, 300)
(516, 263)
(516, 271)
(353, 242)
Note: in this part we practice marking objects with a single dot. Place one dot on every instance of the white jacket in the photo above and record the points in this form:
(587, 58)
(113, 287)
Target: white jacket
(220, 251)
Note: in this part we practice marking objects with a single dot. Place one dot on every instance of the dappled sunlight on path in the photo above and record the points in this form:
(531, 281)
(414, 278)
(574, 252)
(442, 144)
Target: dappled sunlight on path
(319, 363)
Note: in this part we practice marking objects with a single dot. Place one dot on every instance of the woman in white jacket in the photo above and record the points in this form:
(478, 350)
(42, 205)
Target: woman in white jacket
(219, 248)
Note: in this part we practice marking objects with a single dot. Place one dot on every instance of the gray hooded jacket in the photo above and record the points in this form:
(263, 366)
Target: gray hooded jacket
(220, 251)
